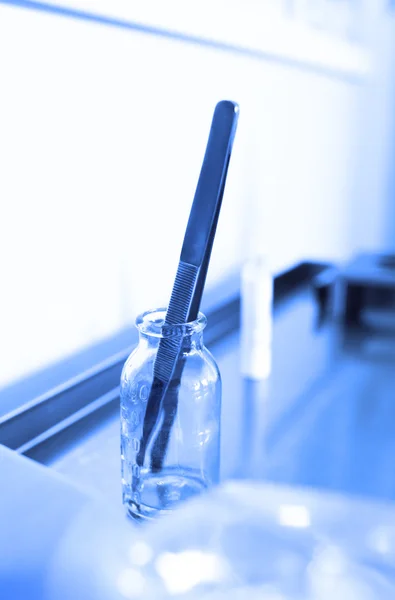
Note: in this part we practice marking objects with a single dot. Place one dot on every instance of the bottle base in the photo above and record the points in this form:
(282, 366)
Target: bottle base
(160, 493)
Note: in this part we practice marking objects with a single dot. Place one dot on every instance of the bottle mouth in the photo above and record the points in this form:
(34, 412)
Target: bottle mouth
(152, 322)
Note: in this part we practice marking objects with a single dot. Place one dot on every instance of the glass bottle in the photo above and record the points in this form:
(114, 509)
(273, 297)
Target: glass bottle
(180, 458)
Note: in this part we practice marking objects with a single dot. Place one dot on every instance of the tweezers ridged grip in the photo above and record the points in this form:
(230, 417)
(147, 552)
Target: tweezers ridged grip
(165, 359)
(184, 286)
(177, 313)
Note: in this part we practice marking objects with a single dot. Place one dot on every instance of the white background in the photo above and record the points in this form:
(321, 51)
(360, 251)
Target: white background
(102, 133)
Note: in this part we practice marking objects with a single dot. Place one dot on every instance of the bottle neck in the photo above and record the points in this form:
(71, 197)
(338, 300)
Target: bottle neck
(153, 327)
(192, 342)
(189, 343)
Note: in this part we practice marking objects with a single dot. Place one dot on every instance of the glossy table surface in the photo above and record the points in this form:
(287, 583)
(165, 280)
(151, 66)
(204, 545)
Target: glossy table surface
(325, 418)
(324, 422)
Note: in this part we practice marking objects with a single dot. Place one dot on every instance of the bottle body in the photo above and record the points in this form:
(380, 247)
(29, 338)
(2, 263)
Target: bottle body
(169, 449)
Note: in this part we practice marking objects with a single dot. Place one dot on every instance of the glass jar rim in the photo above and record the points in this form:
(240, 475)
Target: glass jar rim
(152, 323)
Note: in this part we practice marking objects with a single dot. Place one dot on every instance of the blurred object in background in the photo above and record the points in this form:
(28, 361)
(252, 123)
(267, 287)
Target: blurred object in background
(256, 318)
(254, 425)
(366, 281)
(323, 287)
(359, 293)
(241, 540)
